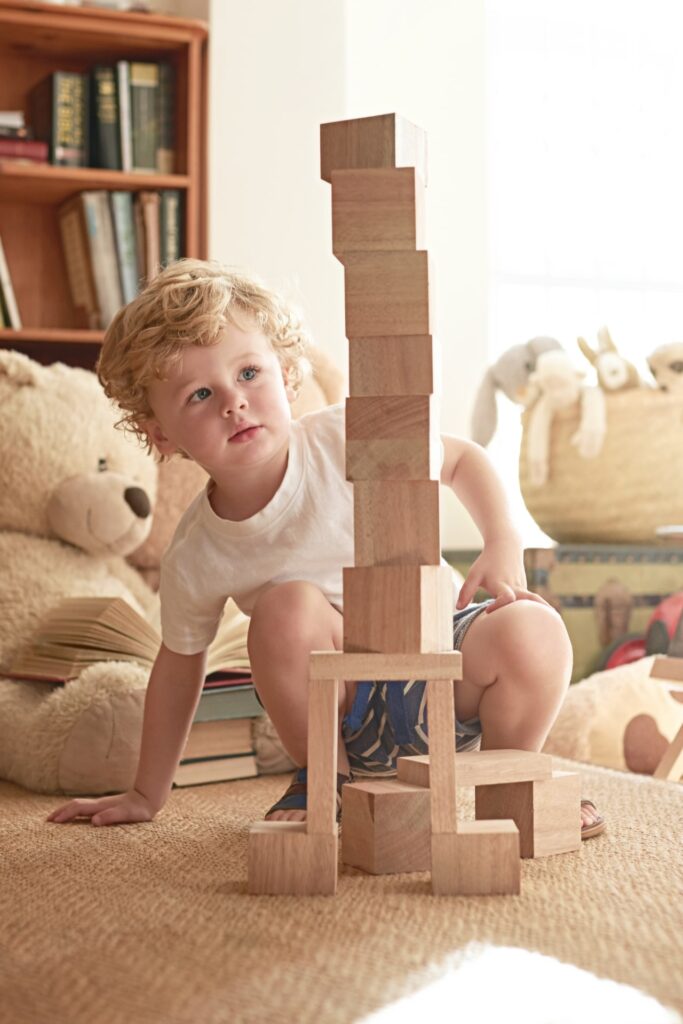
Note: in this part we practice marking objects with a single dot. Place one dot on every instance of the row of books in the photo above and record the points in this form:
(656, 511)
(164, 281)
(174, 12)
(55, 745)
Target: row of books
(115, 242)
(9, 310)
(88, 630)
(118, 116)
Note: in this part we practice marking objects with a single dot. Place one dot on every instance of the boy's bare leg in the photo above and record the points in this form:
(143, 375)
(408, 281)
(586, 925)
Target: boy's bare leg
(289, 621)
(517, 664)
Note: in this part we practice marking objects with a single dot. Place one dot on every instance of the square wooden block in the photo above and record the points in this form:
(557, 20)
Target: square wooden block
(396, 522)
(546, 812)
(386, 827)
(377, 209)
(386, 140)
(393, 438)
(284, 860)
(480, 859)
(401, 364)
(387, 293)
(398, 608)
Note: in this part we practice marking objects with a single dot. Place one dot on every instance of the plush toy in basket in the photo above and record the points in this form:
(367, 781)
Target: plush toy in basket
(77, 497)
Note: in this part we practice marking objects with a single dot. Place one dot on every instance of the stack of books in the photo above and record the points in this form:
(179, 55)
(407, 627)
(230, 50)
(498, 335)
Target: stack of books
(116, 241)
(16, 139)
(88, 630)
(119, 116)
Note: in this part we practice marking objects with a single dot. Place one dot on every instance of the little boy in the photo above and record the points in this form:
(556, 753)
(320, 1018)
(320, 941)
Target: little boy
(205, 362)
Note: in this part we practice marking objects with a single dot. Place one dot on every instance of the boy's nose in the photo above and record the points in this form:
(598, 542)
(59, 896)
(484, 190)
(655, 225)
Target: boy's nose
(232, 402)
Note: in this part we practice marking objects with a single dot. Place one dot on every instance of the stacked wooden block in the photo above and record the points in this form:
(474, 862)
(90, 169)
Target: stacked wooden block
(398, 598)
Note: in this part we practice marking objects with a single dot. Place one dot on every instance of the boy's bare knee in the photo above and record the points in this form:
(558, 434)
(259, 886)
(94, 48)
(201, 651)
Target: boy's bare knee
(528, 641)
(287, 611)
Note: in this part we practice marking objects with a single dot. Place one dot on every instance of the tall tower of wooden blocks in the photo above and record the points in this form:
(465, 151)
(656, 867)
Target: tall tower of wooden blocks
(398, 598)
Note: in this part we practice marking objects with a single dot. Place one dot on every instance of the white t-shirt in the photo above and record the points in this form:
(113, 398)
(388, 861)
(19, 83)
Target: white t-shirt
(304, 533)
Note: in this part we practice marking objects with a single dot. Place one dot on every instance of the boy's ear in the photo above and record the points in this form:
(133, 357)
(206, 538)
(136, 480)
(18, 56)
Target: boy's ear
(289, 390)
(156, 435)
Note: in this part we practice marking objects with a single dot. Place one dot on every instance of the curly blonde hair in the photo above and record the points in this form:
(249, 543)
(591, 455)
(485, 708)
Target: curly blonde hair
(188, 303)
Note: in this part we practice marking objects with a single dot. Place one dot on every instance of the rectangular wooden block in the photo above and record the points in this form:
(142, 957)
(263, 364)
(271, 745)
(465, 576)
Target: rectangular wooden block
(480, 859)
(546, 812)
(441, 722)
(387, 293)
(401, 364)
(284, 860)
(340, 665)
(323, 732)
(398, 608)
(386, 827)
(396, 522)
(393, 438)
(667, 668)
(482, 767)
(377, 209)
(386, 140)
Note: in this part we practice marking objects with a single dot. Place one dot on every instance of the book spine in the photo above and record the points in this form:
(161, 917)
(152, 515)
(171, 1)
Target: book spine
(165, 159)
(59, 114)
(105, 143)
(144, 88)
(124, 232)
(8, 295)
(24, 149)
(123, 97)
(102, 254)
(149, 208)
(170, 226)
(72, 227)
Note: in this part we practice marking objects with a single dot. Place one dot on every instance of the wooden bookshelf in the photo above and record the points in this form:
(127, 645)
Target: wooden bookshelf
(36, 39)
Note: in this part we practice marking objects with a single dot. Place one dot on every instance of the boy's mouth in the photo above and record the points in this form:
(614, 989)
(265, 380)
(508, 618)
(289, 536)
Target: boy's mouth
(244, 433)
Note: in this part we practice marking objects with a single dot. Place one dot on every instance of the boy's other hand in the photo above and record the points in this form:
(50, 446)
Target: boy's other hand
(499, 570)
(106, 810)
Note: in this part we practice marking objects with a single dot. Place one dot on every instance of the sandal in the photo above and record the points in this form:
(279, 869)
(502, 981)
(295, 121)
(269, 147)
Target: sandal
(294, 797)
(588, 831)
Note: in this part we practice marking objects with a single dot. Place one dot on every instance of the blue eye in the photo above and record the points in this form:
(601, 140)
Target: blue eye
(249, 373)
(200, 395)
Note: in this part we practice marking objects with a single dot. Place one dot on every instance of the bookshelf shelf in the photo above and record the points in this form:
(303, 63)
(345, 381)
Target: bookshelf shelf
(37, 39)
(44, 183)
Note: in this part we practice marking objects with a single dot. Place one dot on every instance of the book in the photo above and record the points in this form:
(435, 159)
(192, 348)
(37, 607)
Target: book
(165, 159)
(82, 631)
(103, 257)
(144, 115)
(147, 227)
(220, 769)
(9, 299)
(236, 701)
(170, 226)
(123, 220)
(24, 149)
(76, 246)
(105, 137)
(59, 116)
(123, 102)
(222, 738)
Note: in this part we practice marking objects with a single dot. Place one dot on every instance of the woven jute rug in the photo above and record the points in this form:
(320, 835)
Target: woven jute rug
(142, 924)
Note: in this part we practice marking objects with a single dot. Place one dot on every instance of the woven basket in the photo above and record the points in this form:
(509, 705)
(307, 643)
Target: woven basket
(633, 486)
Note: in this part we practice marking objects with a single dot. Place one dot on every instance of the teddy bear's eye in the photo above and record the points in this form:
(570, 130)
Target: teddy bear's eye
(101, 465)
(677, 367)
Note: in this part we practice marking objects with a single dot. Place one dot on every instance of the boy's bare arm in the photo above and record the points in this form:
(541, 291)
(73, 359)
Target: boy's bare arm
(175, 685)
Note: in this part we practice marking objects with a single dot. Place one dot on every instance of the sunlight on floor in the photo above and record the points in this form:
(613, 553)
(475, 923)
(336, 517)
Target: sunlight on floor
(497, 983)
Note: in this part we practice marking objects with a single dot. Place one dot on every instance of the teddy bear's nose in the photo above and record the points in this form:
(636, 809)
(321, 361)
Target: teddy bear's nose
(138, 501)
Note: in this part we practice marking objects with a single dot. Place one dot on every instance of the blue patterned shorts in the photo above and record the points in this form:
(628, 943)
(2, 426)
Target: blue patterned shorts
(389, 720)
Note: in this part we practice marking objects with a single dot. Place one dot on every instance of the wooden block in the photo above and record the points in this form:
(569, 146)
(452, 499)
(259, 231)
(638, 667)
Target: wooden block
(340, 665)
(323, 731)
(393, 438)
(546, 812)
(377, 210)
(667, 668)
(441, 719)
(386, 827)
(396, 522)
(386, 140)
(480, 859)
(482, 767)
(401, 364)
(671, 763)
(284, 860)
(387, 293)
(398, 608)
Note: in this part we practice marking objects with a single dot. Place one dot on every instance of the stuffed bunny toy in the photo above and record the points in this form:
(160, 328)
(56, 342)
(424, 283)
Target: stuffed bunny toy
(614, 372)
(509, 374)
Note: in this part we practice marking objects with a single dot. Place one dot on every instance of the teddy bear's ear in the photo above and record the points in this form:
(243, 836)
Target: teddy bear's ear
(19, 369)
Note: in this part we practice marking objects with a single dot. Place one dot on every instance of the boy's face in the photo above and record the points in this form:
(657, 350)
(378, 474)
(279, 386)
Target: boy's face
(224, 405)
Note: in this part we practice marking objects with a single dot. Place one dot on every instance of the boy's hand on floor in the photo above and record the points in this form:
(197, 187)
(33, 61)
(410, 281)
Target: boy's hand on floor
(106, 810)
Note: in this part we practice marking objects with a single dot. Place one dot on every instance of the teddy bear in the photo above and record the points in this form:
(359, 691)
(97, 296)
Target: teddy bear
(85, 510)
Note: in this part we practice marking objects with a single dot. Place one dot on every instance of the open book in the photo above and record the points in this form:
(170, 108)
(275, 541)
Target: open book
(82, 631)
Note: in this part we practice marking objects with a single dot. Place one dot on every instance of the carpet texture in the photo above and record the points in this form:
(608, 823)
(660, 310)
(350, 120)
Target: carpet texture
(143, 924)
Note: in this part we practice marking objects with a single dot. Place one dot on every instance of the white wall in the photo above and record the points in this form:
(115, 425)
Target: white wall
(278, 68)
